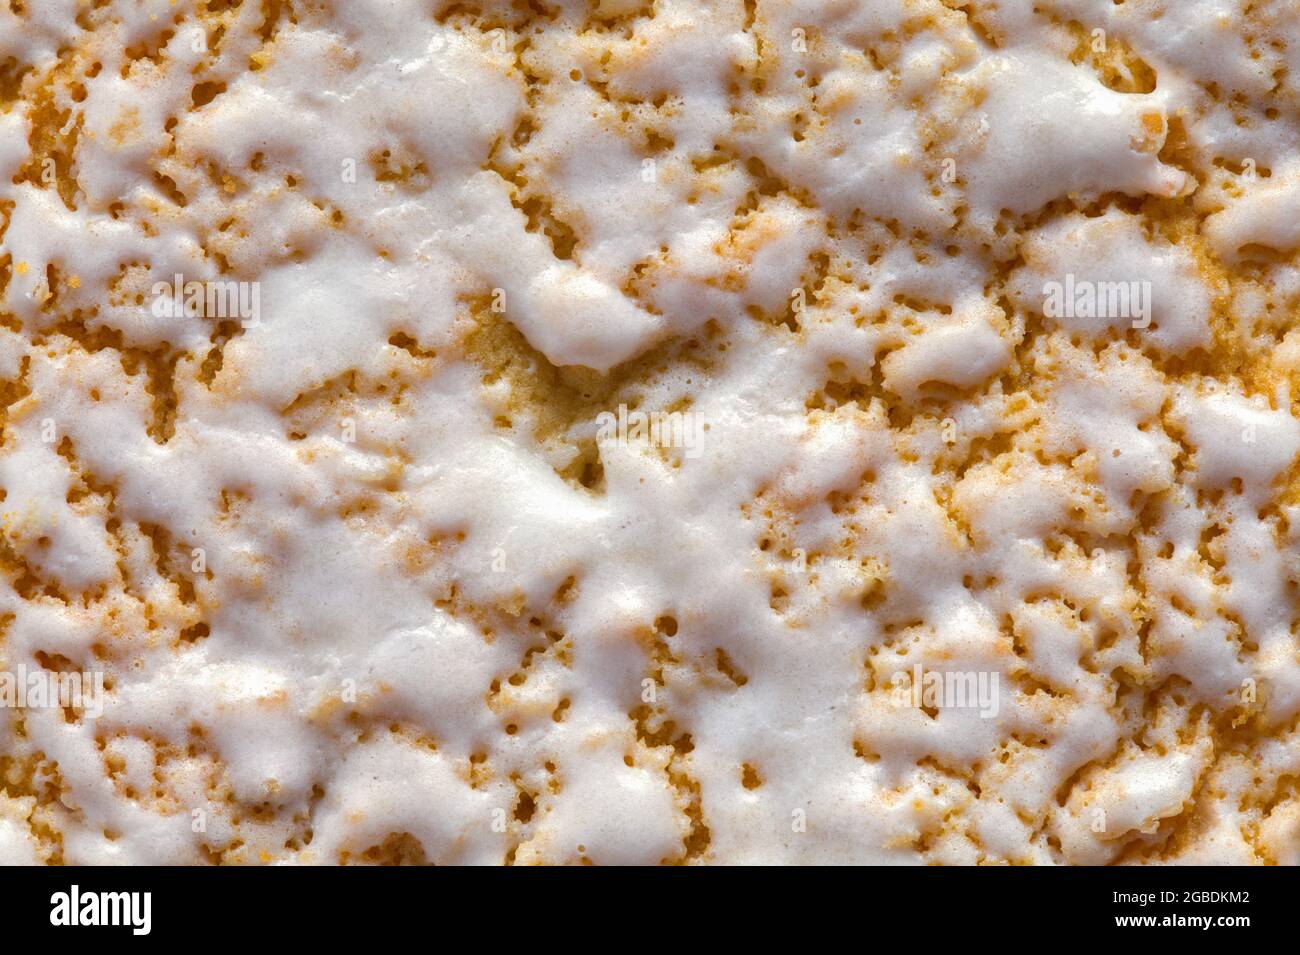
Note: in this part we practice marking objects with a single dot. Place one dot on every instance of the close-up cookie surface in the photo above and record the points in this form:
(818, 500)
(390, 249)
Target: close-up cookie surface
(622, 432)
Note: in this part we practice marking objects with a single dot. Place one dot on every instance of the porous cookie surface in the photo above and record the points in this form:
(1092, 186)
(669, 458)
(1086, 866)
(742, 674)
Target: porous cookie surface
(634, 432)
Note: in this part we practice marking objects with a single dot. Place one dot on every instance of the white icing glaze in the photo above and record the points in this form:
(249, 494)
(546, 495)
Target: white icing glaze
(368, 580)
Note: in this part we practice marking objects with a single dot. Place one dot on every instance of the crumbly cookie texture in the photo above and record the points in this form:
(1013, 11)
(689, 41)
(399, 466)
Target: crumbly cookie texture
(370, 576)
